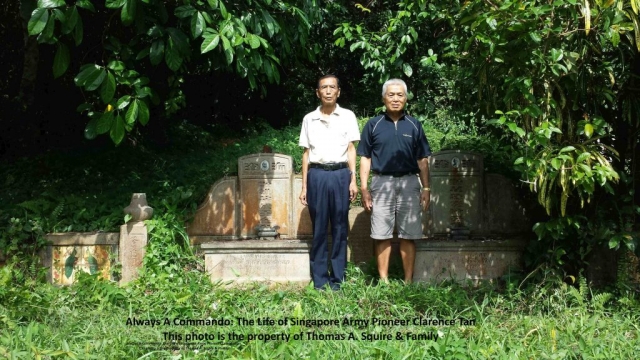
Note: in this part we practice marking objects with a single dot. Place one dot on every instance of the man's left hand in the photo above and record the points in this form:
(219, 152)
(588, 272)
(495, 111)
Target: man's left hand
(425, 199)
(353, 191)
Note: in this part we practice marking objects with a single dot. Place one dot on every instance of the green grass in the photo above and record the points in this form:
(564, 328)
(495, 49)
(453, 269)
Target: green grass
(89, 320)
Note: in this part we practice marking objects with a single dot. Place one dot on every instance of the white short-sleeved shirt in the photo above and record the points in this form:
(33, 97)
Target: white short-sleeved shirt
(328, 141)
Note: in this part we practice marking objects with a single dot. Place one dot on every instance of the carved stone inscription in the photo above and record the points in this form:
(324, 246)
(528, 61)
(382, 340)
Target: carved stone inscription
(475, 264)
(265, 165)
(260, 260)
(133, 239)
(264, 191)
(456, 192)
(456, 199)
(265, 202)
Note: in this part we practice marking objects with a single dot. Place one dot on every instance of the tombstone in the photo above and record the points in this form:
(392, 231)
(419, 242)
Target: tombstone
(133, 237)
(476, 227)
(456, 194)
(247, 227)
(133, 241)
(266, 195)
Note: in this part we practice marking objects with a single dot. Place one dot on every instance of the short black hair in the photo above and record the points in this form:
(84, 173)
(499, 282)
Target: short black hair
(327, 76)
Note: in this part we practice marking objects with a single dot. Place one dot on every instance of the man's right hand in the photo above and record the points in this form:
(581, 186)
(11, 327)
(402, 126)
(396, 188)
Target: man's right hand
(366, 199)
(303, 197)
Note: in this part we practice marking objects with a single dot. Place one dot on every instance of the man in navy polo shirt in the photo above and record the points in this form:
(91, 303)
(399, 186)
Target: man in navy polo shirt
(394, 148)
(329, 180)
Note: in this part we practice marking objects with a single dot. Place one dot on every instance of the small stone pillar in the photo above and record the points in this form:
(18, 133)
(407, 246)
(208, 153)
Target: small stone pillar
(133, 237)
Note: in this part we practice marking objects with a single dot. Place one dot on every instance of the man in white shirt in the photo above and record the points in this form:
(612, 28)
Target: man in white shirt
(329, 180)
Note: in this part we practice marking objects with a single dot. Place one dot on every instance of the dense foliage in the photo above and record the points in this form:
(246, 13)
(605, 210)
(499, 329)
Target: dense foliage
(556, 81)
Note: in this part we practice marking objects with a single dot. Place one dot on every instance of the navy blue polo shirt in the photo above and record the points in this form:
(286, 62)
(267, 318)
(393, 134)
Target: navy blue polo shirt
(393, 147)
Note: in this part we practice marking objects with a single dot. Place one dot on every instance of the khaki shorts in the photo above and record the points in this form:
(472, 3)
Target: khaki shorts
(396, 201)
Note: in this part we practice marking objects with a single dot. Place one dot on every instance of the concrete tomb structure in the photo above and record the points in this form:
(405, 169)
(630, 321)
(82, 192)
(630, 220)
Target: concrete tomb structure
(474, 225)
(253, 227)
(70, 253)
(67, 254)
(258, 208)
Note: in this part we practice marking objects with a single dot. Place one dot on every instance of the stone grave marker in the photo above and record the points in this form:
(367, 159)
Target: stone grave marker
(456, 194)
(246, 226)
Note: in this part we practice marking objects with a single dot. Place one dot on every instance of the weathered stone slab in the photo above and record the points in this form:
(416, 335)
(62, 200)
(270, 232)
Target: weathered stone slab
(301, 217)
(359, 244)
(217, 215)
(266, 194)
(258, 260)
(133, 240)
(474, 260)
(69, 253)
(456, 192)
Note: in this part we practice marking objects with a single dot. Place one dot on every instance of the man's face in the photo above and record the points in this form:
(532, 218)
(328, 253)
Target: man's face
(395, 98)
(328, 91)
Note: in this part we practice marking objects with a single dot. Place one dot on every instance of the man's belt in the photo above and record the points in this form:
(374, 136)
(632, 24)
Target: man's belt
(329, 166)
(395, 174)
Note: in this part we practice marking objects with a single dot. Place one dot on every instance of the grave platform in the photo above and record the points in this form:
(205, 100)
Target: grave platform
(278, 261)
(467, 260)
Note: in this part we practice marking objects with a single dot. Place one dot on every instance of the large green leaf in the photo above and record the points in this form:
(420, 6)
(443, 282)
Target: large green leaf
(95, 80)
(213, 3)
(38, 21)
(114, 4)
(142, 92)
(132, 112)
(50, 3)
(143, 53)
(71, 20)
(105, 122)
(172, 56)
(128, 12)
(228, 50)
(78, 32)
(210, 41)
(406, 68)
(59, 15)
(197, 24)
(117, 130)
(90, 130)
(61, 60)
(253, 41)
(123, 102)
(108, 88)
(85, 4)
(46, 36)
(270, 22)
(116, 65)
(184, 11)
(156, 52)
(180, 40)
(86, 72)
(223, 10)
(143, 112)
